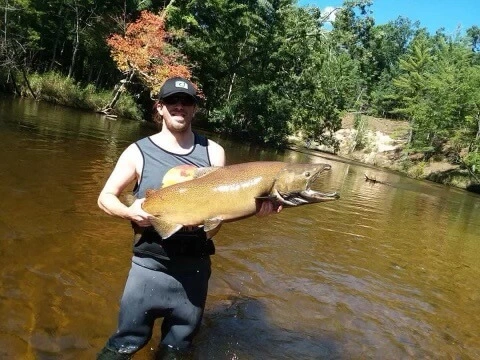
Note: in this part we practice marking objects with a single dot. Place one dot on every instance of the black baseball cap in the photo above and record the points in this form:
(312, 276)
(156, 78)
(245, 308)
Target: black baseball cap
(177, 85)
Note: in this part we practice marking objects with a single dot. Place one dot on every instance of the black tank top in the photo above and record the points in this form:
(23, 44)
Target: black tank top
(156, 163)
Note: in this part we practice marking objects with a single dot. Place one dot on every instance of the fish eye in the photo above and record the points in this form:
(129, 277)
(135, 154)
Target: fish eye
(307, 174)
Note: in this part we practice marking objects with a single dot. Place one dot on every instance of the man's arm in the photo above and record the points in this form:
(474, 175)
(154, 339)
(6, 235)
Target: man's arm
(123, 174)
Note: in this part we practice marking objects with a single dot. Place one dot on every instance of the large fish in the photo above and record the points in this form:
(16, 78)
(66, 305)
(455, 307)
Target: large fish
(222, 194)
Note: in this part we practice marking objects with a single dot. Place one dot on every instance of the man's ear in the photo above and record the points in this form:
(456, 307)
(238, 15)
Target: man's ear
(160, 108)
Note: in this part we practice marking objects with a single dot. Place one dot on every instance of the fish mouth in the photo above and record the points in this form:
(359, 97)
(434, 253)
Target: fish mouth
(308, 196)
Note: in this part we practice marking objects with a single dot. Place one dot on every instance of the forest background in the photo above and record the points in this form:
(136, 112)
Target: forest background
(269, 71)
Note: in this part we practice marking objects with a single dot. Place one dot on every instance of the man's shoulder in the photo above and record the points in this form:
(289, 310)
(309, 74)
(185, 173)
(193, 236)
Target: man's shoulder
(201, 139)
(212, 143)
(217, 153)
(131, 154)
(142, 140)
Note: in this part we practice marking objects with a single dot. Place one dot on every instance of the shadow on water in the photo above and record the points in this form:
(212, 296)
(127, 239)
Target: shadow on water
(240, 328)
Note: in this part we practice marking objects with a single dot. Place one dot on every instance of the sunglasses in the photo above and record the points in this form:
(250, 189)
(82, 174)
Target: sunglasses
(175, 99)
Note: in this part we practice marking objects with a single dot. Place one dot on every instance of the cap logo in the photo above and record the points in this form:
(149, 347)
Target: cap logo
(181, 84)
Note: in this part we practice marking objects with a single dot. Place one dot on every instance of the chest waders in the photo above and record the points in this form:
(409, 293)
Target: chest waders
(168, 278)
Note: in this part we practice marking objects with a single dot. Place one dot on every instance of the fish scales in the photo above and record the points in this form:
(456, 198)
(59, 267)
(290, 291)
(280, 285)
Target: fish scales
(216, 194)
(230, 193)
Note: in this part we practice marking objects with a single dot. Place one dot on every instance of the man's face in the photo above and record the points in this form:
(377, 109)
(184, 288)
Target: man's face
(177, 111)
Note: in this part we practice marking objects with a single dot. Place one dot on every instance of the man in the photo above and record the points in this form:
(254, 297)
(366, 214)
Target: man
(168, 278)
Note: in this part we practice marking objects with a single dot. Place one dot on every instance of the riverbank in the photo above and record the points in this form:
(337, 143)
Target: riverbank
(382, 143)
(55, 88)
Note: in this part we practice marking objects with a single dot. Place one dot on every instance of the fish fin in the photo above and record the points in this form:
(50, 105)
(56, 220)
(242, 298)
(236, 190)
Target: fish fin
(210, 224)
(137, 233)
(199, 172)
(136, 238)
(165, 229)
(149, 192)
(182, 173)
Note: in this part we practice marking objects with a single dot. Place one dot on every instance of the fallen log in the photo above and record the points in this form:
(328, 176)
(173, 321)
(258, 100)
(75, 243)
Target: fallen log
(374, 181)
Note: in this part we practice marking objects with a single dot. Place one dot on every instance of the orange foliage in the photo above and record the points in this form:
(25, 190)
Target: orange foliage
(143, 48)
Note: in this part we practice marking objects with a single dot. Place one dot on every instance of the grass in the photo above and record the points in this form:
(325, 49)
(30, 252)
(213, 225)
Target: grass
(59, 89)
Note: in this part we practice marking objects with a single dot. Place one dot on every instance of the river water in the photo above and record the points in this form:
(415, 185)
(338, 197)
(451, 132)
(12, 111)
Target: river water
(389, 271)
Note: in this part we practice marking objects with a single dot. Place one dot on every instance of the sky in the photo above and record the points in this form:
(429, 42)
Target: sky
(432, 14)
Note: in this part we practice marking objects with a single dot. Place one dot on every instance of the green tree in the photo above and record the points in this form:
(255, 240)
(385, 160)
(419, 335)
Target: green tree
(411, 88)
(233, 45)
(390, 43)
(264, 67)
(67, 36)
(353, 35)
(19, 41)
(473, 34)
(438, 92)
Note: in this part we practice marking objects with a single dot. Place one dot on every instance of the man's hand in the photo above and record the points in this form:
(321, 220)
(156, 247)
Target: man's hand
(267, 207)
(140, 217)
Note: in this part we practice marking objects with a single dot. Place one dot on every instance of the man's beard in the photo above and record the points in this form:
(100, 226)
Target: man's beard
(176, 127)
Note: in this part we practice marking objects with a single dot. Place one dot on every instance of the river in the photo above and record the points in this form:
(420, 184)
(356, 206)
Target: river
(389, 271)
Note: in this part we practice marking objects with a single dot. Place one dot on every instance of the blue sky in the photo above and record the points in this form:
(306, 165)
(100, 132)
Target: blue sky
(432, 14)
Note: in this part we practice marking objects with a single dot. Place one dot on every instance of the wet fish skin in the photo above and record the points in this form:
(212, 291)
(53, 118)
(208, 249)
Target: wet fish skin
(229, 193)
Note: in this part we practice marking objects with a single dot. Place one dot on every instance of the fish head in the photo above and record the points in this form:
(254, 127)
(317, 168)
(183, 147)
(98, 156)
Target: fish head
(292, 186)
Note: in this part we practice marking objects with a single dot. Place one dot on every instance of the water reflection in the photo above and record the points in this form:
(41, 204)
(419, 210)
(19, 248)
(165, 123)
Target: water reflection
(388, 271)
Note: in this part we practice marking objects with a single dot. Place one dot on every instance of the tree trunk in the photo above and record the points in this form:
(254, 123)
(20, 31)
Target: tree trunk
(230, 89)
(5, 21)
(118, 92)
(97, 80)
(477, 137)
(11, 75)
(232, 81)
(76, 42)
(55, 44)
(28, 83)
(410, 132)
